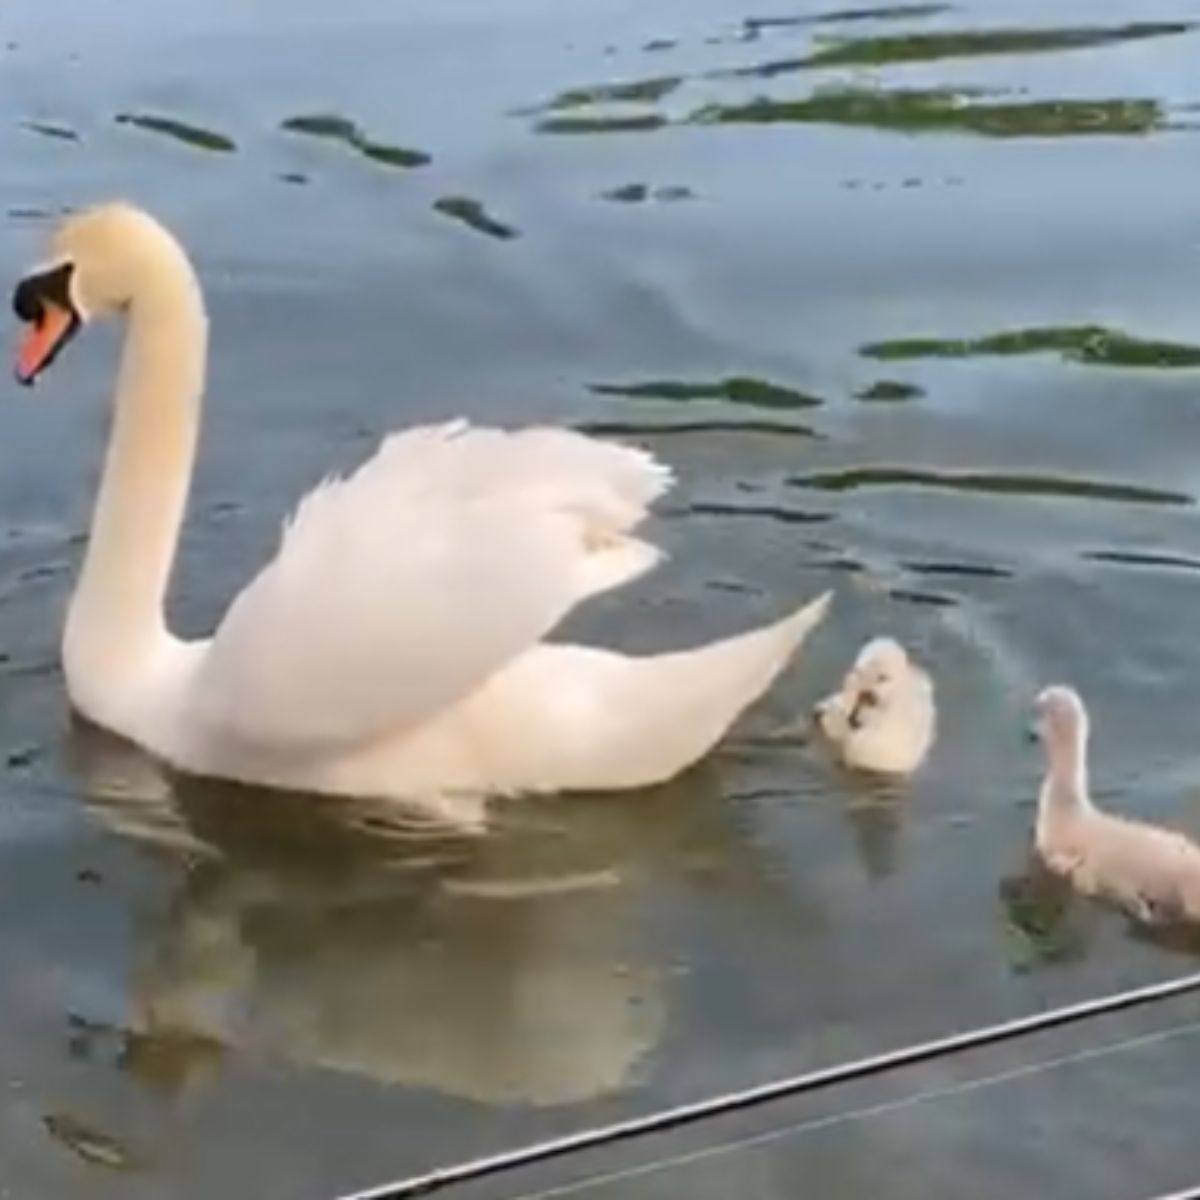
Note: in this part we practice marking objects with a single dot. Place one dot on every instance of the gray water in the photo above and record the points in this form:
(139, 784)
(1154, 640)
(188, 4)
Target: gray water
(907, 297)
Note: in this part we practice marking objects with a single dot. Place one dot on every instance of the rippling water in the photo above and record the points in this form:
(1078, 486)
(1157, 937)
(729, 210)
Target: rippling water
(907, 296)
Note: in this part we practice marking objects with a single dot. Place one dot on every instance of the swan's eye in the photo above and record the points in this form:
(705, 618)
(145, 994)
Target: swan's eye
(26, 302)
(34, 292)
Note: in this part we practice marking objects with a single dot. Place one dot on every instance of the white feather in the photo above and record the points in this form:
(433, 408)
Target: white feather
(400, 589)
(393, 647)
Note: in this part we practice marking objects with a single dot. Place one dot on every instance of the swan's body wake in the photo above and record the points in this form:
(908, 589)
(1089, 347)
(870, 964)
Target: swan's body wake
(394, 644)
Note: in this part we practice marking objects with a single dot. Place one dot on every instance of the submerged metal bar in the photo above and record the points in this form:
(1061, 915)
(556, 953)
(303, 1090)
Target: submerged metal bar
(684, 1114)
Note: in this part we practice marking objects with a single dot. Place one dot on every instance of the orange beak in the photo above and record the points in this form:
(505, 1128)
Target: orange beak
(46, 337)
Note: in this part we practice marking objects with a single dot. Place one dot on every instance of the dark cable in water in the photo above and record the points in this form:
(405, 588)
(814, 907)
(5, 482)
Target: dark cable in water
(796, 1085)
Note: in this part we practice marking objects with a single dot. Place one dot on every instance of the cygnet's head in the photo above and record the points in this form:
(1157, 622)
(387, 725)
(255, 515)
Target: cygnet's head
(96, 262)
(882, 718)
(1061, 720)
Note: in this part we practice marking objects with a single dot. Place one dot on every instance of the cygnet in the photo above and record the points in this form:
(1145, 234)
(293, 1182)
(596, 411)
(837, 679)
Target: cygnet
(882, 719)
(1152, 873)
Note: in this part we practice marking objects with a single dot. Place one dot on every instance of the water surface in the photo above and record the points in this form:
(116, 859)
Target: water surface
(906, 296)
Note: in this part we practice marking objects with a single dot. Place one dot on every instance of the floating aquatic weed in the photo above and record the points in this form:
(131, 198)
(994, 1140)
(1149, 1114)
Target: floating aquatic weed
(943, 111)
(769, 512)
(889, 390)
(1042, 920)
(181, 131)
(471, 212)
(844, 16)
(638, 193)
(633, 91)
(1092, 344)
(737, 389)
(629, 193)
(62, 133)
(961, 43)
(634, 123)
(638, 429)
(984, 483)
(912, 596)
(969, 570)
(342, 129)
(1131, 558)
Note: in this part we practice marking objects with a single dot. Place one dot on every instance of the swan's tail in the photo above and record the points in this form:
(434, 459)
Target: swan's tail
(609, 721)
(689, 700)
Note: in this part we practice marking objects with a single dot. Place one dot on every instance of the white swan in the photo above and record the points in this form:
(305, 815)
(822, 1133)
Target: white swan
(1151, 872)
(882, 719)
(393, 645)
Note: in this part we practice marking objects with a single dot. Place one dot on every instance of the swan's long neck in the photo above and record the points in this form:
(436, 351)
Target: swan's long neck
(1064, 796)
(116, 621)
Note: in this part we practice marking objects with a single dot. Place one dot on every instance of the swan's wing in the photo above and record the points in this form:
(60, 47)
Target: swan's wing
(397, 590)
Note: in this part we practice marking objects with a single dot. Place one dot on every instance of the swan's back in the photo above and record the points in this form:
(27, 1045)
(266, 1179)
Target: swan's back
(398, 590)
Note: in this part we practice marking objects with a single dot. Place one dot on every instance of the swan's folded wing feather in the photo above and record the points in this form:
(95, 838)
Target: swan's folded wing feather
(398, 590)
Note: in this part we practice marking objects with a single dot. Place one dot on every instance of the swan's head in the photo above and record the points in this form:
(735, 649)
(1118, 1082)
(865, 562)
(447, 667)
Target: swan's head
(882, 718)
(1061, 719)
(98, 259)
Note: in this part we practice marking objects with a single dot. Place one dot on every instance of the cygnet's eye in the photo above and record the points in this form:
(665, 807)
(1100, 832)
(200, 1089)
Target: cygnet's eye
(865, 701)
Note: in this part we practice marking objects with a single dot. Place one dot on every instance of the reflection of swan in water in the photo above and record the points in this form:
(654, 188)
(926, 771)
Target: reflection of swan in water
(497, 1002)
(518, 966)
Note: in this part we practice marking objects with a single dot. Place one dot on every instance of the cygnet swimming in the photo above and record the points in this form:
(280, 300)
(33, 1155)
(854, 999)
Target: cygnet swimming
(882, 719)
(1153, 873)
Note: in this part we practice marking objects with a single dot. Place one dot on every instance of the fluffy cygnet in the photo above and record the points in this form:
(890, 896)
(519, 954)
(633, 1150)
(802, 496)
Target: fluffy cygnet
(1153, 873)
(882, 719)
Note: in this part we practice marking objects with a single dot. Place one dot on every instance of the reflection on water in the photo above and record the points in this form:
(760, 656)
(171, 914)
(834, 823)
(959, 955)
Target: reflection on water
(90, 1144)
(1048, 921)
(922, 332)
(510, 968)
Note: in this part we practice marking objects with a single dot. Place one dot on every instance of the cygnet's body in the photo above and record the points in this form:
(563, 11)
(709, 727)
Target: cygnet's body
(883, 718)
(1152, 873)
